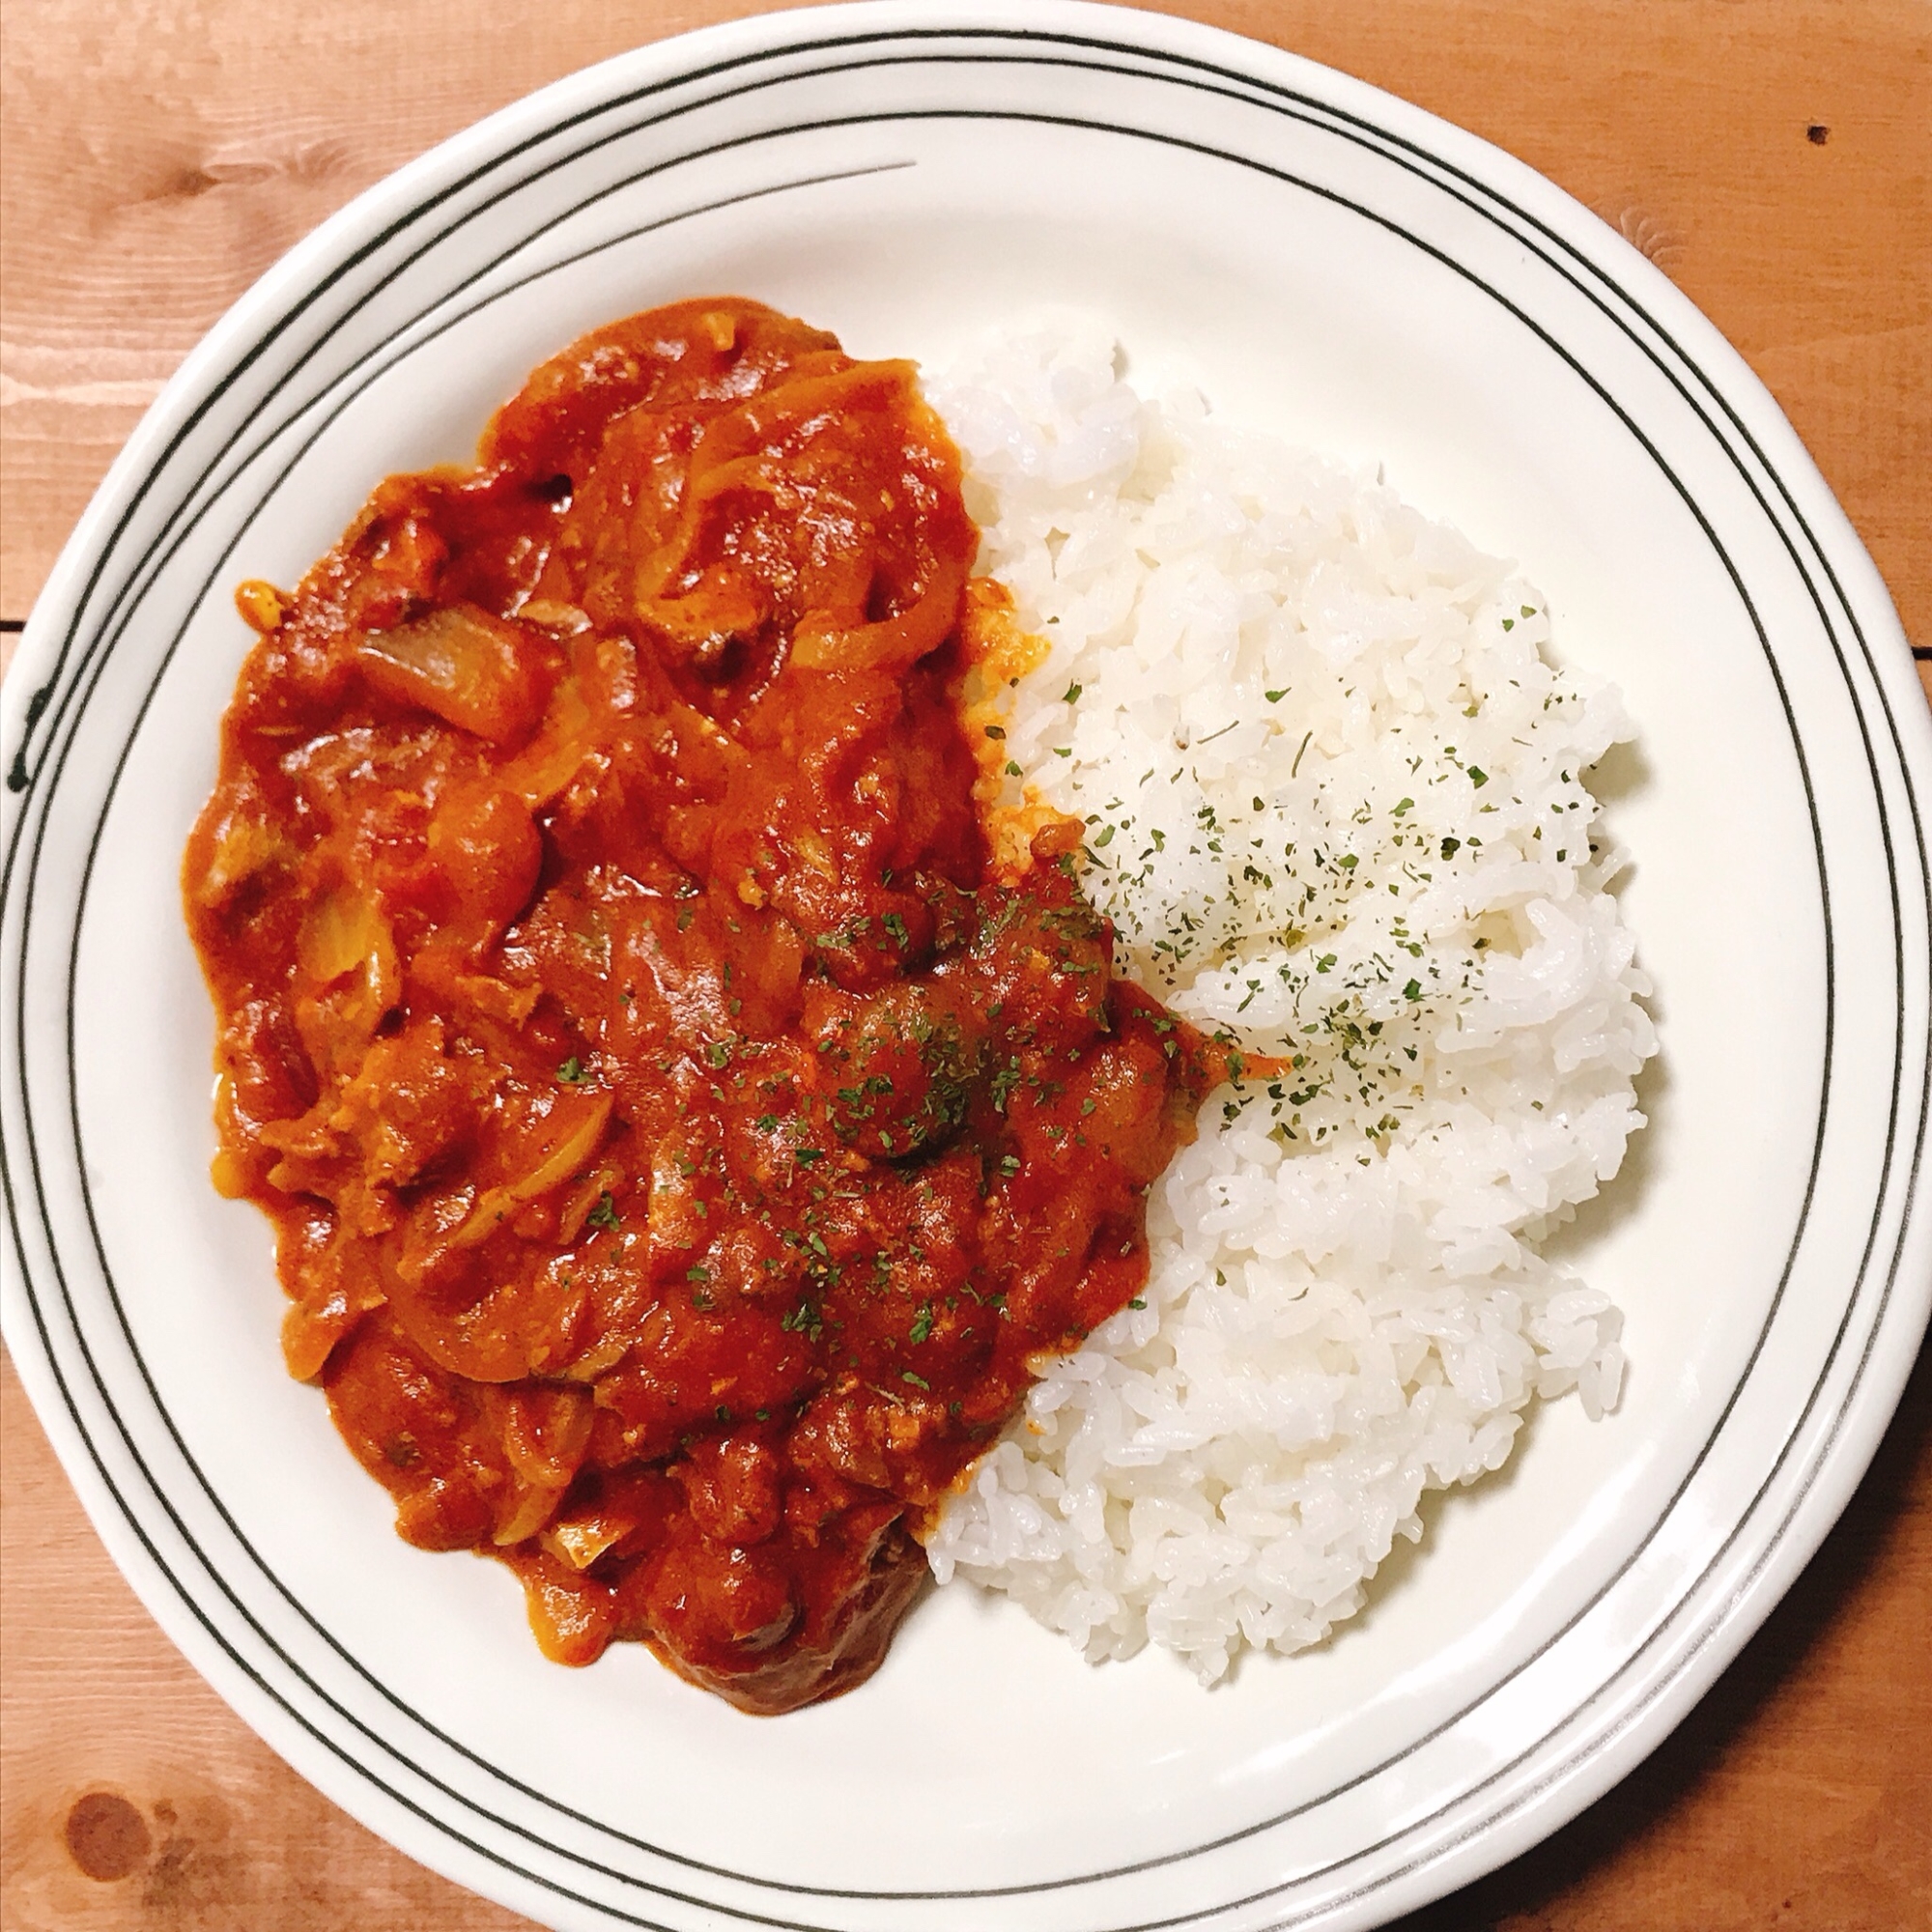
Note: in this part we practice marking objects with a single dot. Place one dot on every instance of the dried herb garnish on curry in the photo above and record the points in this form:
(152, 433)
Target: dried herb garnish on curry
(678, 1132)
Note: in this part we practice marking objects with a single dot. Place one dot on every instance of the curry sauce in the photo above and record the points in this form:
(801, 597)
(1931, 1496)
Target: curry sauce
(680, 1136)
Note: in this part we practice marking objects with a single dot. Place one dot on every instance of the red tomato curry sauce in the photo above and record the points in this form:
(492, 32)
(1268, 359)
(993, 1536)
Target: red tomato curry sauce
(679, 1143)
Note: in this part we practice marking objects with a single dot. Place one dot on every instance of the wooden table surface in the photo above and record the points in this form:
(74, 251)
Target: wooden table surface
(1774, 157)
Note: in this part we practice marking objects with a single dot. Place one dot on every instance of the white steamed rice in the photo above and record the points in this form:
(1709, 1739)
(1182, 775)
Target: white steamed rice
(1335, 805)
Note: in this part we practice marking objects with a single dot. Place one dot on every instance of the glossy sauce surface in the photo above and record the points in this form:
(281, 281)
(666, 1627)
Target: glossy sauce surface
(679, 1141)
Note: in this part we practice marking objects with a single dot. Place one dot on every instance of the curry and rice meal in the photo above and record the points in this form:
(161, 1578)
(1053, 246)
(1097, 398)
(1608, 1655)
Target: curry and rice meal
(826, 981)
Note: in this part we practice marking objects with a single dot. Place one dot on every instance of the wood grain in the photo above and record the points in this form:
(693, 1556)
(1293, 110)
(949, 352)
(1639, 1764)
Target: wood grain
(158, 157)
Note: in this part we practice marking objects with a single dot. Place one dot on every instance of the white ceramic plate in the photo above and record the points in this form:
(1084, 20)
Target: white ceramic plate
(1319, 258)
